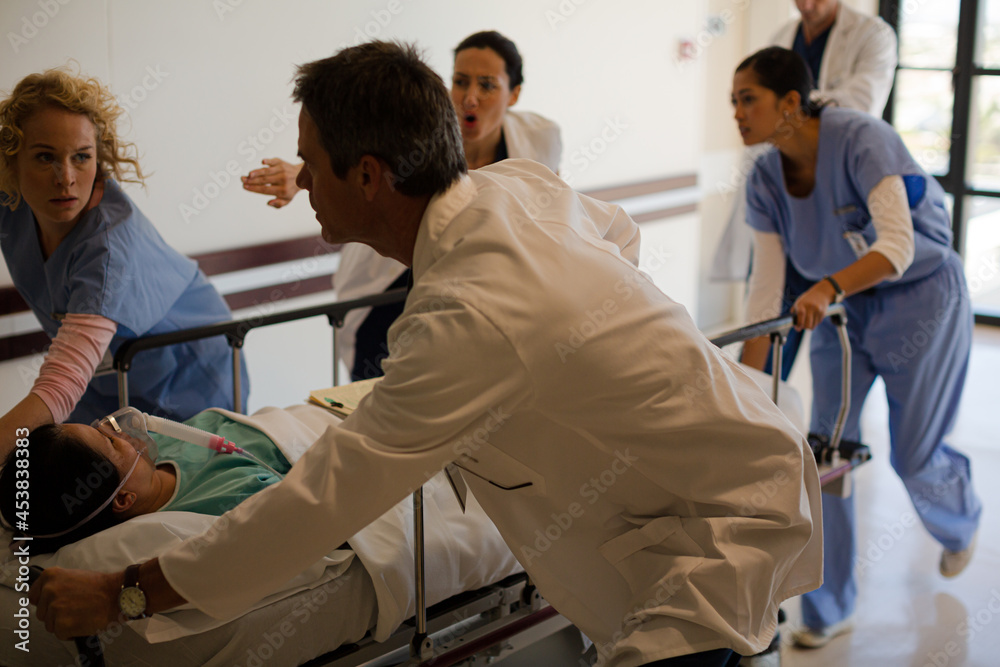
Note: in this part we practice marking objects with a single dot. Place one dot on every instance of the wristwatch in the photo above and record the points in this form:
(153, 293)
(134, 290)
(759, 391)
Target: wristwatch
(131, 599)
(839, 291)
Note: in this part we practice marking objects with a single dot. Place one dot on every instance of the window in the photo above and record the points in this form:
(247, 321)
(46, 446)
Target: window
(946, 106)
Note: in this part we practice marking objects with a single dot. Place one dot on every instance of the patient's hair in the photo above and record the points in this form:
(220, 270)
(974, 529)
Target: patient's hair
(381, 99)
(781, 71)
(62, 89)
(66, 481)
(506, 49)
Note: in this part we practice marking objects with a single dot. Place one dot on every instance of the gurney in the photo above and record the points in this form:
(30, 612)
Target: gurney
(490, 618)
(364, 606)
(835, 457)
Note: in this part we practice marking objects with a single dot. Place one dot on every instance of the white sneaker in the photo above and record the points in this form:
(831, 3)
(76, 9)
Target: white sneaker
(810, 638)
(954, 562)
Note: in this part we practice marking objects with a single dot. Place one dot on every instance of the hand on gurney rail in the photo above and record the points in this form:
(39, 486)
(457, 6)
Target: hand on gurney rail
(810, 308)
(76, 603)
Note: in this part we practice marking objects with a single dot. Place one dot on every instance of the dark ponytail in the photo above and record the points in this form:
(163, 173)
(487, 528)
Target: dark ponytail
(781, 71)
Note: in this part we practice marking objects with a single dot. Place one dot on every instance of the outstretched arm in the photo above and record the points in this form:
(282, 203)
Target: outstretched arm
(277, 179)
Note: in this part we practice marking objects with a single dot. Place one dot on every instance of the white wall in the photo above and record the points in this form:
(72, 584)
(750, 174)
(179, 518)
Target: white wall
(207, 84)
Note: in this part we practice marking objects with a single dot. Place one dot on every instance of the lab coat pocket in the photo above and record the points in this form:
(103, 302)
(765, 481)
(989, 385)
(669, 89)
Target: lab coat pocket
(655, 559)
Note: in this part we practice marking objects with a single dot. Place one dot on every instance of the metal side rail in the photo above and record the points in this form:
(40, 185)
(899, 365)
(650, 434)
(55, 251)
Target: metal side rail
(236, 331)
(835, 456)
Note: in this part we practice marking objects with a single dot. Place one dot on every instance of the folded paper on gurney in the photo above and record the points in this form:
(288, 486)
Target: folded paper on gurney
(343, 400)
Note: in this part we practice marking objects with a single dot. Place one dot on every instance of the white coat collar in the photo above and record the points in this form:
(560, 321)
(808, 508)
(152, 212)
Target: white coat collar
(441, 210)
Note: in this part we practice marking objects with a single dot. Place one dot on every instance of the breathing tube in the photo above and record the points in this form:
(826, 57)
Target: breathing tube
(196, 436)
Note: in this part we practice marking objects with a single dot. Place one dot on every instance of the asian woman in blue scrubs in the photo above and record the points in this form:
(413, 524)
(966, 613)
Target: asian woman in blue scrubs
(92, 267)
(840, 196)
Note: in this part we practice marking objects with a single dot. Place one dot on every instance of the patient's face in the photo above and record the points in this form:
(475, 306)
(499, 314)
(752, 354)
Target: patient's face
(118, 451)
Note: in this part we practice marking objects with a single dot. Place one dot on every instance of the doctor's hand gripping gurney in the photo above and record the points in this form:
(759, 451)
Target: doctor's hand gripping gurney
(834, 455)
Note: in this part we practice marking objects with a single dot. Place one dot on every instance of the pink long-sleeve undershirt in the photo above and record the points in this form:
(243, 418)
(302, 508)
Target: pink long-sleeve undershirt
(75, 352)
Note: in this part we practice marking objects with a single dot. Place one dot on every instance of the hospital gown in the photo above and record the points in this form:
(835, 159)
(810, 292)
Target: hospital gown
(115, 264)
(915, 332)
(212, 483)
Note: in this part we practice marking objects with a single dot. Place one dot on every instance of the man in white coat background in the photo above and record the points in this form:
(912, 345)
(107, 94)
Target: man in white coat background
(678, 506)
(853, 59)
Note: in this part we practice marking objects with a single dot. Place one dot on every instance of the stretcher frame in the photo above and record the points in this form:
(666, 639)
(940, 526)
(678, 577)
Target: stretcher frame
(483, 623)
(835, 457)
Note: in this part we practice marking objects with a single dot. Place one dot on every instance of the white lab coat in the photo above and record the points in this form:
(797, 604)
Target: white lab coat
(671, 506)
(362, 271)
(857, 70)
(859, 62)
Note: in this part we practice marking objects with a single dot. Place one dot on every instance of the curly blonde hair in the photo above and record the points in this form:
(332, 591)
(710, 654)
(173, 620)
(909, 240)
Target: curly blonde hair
(60, 88)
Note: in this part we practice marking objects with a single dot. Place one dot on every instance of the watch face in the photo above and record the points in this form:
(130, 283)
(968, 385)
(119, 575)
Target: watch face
(132, 601)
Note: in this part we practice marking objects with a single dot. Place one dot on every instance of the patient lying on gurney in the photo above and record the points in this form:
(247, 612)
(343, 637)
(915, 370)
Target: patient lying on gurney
(101, 475)
(75, 469)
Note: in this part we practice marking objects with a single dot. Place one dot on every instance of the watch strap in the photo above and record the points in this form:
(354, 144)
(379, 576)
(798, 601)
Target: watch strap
(131, 576)
(131, 580)
(839, 296)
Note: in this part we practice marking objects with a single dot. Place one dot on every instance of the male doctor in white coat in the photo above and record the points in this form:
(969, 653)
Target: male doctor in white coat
(654, 493)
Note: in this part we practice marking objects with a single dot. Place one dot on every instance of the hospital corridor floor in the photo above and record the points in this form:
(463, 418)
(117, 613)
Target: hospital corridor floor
(908, 614)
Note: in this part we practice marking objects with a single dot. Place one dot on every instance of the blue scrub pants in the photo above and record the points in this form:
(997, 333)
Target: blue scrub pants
(917, 337)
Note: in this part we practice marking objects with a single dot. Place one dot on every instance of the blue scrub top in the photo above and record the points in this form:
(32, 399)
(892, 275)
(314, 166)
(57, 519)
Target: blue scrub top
(832, 227)
(115, 264)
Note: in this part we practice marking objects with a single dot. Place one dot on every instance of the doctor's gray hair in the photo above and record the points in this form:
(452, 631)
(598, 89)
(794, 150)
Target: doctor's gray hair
(782, 71)
(381, 99)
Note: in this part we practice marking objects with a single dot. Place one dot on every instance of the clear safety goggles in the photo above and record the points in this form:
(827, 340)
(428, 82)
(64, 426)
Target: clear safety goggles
(129, 425)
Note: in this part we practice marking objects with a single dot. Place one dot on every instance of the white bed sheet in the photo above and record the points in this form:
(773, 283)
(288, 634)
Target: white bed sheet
(464, 551)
